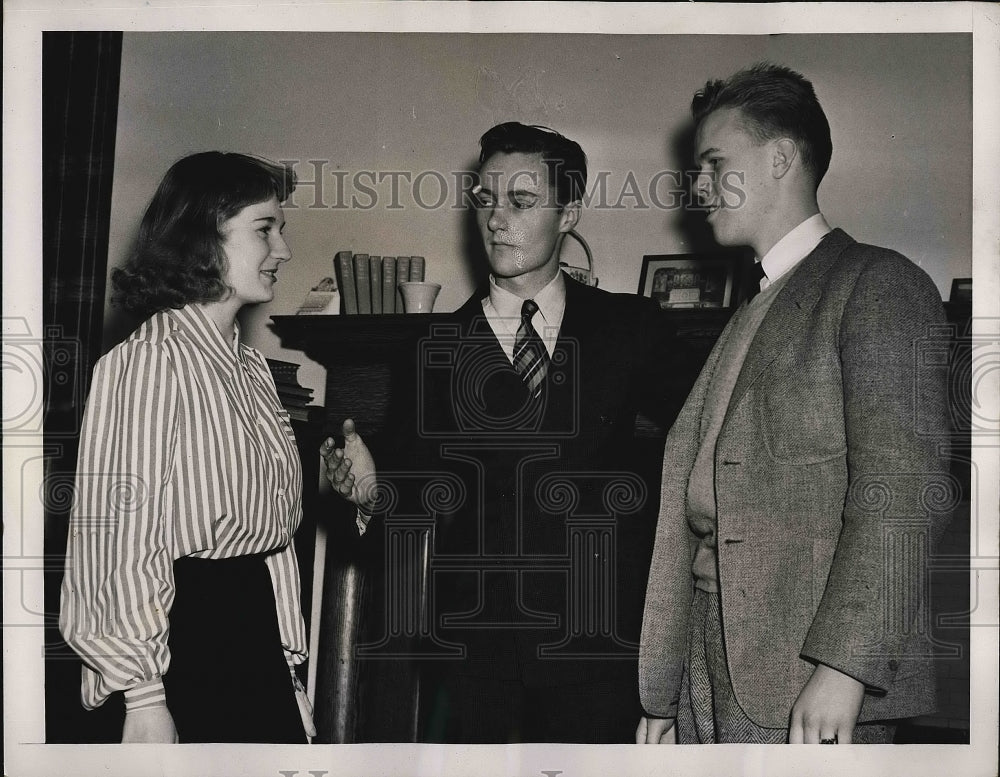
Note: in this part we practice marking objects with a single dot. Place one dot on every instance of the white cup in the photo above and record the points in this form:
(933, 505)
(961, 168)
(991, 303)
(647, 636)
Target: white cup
(419, 296)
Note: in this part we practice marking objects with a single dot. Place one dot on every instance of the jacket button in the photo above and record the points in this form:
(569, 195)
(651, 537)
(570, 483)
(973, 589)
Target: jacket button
(893, 664)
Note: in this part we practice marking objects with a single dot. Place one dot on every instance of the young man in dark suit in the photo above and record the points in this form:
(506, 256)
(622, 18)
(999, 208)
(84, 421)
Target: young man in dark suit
(785, 594)
(523, 409)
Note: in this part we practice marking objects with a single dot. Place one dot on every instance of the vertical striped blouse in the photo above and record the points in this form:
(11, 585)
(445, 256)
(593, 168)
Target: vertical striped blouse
(185, 451)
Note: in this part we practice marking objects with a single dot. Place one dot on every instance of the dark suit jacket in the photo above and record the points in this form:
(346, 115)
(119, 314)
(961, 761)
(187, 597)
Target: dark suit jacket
(544, 510)
(830, 491)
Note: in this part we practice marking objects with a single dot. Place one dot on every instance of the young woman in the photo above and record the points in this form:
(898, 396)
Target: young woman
(181, 586)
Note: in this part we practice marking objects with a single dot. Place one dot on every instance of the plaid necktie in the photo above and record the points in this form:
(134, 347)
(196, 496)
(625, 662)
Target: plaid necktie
(531, 359)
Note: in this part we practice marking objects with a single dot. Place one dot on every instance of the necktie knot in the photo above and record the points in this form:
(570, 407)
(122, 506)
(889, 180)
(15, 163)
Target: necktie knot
(528, 309)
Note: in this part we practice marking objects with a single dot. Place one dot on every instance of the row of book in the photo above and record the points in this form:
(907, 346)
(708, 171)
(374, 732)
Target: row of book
(294, 397)
(368, 284)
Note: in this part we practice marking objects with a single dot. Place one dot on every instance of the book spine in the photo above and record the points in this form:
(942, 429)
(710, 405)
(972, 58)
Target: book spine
(293, 400)
(362, 283)
(294, 389)
(345, 277)
(282, 370)
(278, 364)
(417, 268)
(402, 275)
(388, 284)
(375, 276)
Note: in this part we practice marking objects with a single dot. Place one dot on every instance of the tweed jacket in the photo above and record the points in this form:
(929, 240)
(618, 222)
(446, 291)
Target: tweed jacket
(830, 493)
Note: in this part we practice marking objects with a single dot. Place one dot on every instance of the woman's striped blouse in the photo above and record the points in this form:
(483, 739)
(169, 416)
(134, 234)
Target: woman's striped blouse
(185, 450)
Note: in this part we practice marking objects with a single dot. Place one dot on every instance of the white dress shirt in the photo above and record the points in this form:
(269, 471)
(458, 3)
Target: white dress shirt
(792, 248)
(503, 312)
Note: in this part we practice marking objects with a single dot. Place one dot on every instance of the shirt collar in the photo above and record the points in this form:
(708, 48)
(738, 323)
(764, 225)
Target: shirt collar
(794, 247)
(205, 334)
(551, 301)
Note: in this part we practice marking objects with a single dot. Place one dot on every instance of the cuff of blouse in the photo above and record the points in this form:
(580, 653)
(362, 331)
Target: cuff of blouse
(146, 694)
(362, 520)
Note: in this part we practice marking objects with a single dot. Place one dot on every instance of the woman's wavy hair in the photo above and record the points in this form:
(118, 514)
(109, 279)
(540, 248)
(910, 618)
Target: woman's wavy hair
(178, 256)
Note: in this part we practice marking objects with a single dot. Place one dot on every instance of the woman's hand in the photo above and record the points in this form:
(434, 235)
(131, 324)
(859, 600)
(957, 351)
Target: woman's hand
(153, 725)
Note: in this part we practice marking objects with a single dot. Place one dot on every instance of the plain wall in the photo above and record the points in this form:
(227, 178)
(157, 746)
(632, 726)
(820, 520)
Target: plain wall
(900, 109)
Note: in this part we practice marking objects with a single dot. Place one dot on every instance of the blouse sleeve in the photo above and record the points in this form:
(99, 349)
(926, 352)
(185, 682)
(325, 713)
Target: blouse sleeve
(118, 583)
(284, 569)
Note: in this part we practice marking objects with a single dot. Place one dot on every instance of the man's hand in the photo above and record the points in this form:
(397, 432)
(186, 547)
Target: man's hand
(827, 708)
(351, 469)
(656, 731)
(153, 725)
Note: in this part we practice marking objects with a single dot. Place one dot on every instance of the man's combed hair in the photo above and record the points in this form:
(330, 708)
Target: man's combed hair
(774, 101)
(178, 257)
(563, 157)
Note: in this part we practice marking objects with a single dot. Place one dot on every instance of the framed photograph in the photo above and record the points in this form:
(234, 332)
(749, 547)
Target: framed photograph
(679, 281)
(961, 290)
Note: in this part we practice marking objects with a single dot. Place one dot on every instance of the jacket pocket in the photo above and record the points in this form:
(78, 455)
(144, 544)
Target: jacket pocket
(802, 423)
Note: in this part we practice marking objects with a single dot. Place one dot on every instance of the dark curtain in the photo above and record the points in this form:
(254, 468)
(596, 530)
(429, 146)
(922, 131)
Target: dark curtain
(80, 77)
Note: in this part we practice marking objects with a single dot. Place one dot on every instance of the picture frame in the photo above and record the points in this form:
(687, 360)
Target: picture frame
(961, 291)
(690, 281)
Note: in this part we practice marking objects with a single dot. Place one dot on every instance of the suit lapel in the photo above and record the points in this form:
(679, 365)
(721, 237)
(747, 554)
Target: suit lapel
(476, 328)
(789, 313)
(577, 314)
(498, 385)
(579, 325)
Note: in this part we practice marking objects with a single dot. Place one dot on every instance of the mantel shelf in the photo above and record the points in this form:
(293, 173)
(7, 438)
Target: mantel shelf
(365, 337)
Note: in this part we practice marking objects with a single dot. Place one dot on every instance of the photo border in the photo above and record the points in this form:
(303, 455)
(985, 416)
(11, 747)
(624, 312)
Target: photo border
(22, 462)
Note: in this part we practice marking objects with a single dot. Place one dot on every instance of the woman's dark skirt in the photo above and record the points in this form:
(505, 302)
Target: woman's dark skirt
(228, 680)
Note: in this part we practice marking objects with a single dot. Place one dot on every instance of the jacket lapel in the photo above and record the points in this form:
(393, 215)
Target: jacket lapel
(505, 393)
(501, 390)
(789, 312)
(576, 315)
(476, 329)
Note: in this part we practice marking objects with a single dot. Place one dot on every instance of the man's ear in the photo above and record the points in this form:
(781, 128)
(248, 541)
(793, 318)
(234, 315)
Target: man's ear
(785, 152)
(570, 216)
